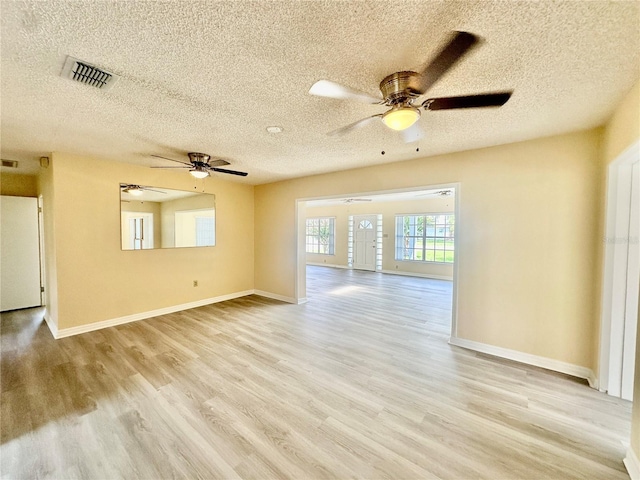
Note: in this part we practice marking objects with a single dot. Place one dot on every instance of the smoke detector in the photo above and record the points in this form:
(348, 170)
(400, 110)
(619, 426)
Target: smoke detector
(84, 72)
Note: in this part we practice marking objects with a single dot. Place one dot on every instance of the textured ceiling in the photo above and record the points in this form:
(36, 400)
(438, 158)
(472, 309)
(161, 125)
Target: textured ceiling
(211, 76)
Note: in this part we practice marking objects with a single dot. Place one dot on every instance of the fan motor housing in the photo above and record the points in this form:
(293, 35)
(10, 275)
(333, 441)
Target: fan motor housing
(196, 157)
(400, 87)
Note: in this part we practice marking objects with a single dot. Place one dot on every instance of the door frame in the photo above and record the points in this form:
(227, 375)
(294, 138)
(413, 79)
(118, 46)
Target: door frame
(300, 258)
(618, 203)
(41, 246)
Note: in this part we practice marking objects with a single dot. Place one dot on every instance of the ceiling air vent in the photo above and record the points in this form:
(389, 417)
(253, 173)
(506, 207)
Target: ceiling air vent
(84, 72)
(9, 163)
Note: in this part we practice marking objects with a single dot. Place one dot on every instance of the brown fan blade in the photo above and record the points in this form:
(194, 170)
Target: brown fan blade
(325, 88)
(353, 126)
(467, 101)
(460, 43)
(171, 159)
(232, 172)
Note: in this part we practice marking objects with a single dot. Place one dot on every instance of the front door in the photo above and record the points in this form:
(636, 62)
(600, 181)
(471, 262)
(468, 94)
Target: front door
(364, 242)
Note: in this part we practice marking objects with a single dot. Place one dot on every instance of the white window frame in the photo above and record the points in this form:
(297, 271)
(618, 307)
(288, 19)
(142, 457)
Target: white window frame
(317, 244)
(400, 238)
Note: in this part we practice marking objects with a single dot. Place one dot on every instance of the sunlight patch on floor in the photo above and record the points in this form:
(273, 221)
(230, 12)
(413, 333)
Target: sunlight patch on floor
(345, 290)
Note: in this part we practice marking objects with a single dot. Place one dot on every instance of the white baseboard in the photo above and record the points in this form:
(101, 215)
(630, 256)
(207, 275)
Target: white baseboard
(529, 359)
(332, 265)
(276, 296)
(633, 464)
(53, 328)
(422, 275)
(67, 332)
(390, 272)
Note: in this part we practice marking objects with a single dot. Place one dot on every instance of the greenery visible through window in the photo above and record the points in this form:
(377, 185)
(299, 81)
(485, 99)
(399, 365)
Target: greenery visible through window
(320, 235)
(425, 238)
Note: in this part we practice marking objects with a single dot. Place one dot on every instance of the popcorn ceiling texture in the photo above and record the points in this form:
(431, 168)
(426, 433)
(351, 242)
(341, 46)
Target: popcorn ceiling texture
(211, 76)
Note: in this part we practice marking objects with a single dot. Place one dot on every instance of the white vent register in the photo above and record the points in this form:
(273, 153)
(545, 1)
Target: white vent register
(84, 72)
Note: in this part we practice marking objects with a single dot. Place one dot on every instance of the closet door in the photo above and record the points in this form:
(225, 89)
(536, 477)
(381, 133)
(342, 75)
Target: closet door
(19, 253)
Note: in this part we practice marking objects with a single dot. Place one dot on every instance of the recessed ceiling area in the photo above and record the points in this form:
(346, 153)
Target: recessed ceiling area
(430, 193)
(212, 76)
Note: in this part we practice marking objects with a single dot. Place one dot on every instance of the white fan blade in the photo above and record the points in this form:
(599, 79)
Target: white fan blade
(414, 133)
(325, 88)
(353, 126)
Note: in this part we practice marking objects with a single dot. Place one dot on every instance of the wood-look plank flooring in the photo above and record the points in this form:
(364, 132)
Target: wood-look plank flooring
(359, 382)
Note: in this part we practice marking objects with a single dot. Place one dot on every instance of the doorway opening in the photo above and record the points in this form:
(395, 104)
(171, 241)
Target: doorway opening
(386, 236)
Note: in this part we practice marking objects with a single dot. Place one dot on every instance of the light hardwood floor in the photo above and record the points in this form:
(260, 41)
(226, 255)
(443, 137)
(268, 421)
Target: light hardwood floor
(357, 383)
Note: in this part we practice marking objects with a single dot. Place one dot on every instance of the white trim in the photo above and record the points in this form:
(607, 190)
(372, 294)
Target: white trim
(67, 332)
(529, 359)
(53, 328)
(633, 464)
(332, 265)
(390, 272)
(593, 380)
(415, 274)
(282, 298)
(613, 198)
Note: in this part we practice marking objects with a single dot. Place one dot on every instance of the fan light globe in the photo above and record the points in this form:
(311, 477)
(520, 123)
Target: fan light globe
(199, 173)
(401, 118)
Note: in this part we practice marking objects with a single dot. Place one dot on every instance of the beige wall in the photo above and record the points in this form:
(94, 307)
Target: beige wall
(16, 185)
(623, 128)
(527, 237)
(98, 281)
(388, 210)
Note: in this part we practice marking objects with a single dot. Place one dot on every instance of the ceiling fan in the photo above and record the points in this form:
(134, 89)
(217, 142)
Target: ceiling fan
(200, 165)
(439, 193)
(401, 89)
(137, 190)
(352, 200)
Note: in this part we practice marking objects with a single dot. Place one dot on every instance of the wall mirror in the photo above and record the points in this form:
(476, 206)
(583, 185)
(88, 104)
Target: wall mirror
(155, 217)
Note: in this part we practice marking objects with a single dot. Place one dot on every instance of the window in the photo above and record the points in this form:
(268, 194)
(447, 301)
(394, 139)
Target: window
(205, 231)
(195, 228)
(320, 235)
(425, 238)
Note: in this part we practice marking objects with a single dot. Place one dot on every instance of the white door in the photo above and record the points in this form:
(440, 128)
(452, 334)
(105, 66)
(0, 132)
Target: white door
(364, 242)
(137, 231)
(19, 253)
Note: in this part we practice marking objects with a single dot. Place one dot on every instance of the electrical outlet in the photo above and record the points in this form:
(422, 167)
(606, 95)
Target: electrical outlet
(195, 283)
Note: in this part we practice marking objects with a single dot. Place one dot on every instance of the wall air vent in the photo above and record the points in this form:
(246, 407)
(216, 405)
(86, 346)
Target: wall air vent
(9, 163)
(84, 72)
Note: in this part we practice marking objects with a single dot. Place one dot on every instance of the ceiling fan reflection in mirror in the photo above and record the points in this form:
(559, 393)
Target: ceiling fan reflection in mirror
(137, 190)
(401, 89)
(201, 165)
